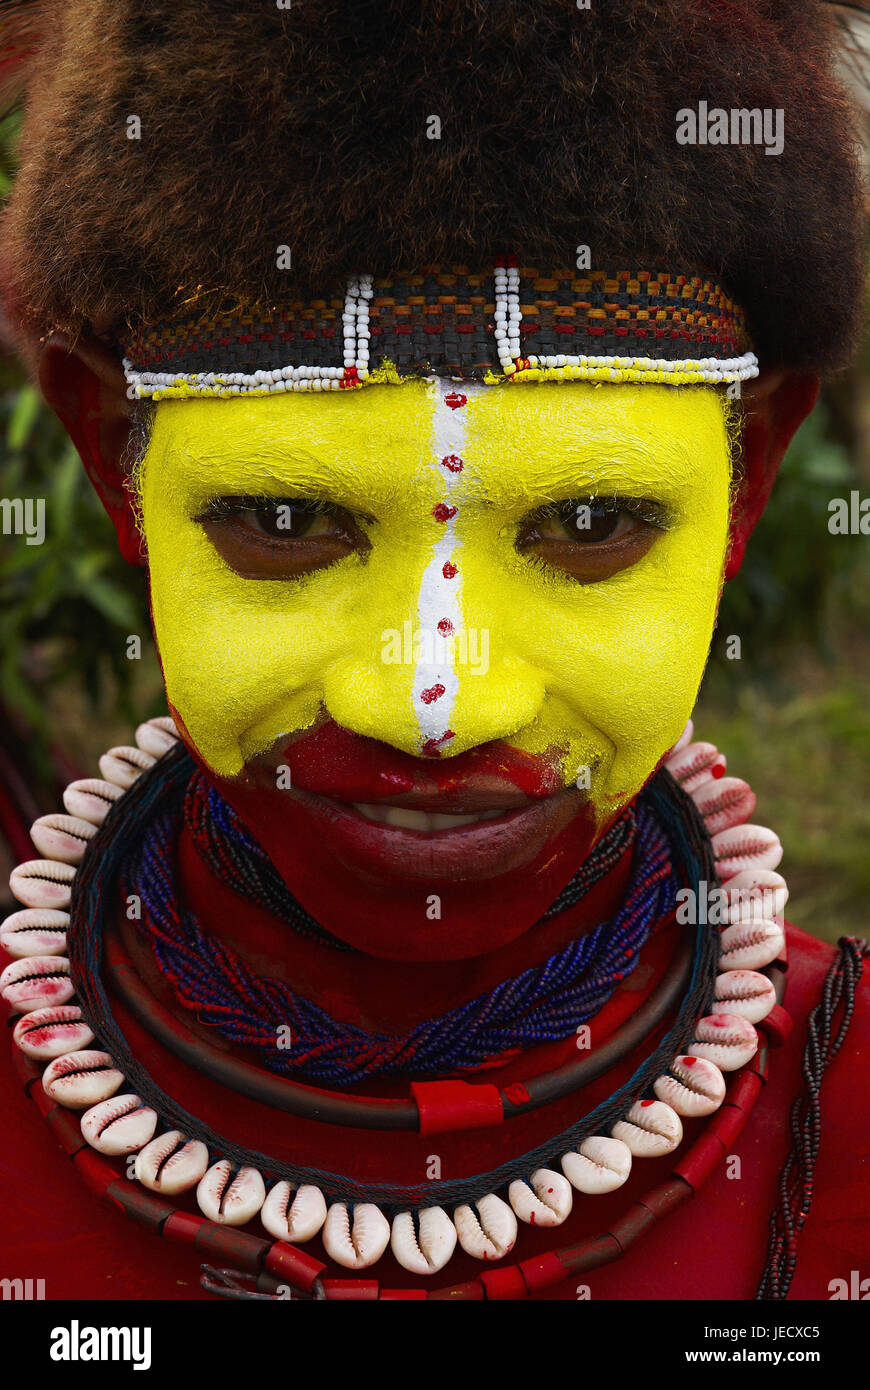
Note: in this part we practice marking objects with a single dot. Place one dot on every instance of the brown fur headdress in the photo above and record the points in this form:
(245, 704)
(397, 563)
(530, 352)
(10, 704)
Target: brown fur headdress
(170, 149)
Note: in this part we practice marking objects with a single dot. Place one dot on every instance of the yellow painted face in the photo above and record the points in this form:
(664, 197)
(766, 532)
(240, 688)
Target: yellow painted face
(466, 605)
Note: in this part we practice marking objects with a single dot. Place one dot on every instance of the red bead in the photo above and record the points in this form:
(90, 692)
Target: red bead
(590, 1253)
(543, 1272)
(65, 1126)
(665, 1198)
(633, 1223)
(350, 1290)
(447, 1106)
(182, 1227)
(744, 1090)
(294, 1266)
(230, 1246)
(702, 1159)
(728, 1124)
(472, 1291)
(503, 1285)
(98, 1175)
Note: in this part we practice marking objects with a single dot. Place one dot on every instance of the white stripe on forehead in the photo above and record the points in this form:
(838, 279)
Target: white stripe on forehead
(439, 612)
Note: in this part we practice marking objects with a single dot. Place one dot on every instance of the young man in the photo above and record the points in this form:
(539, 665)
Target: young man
(438, 377)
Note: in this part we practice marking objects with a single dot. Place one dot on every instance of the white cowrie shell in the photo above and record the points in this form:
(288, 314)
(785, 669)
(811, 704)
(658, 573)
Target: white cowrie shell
(123, 765)
(724, 802)
(726, 1040)
(35, 931)
(63, 838)
(547, 1202)
(171, 1163)
(36, 982)
(121, 1125)
(426, 1248)
(230, 1196)
(755, 894)
(744, 993)
(599, 1165)
(79, 1080)
(91, 799)
(487, 1228)
(156, 736)
(750, 945)
(42, 883)
(357, 1244)
(293, 1213)
(47, 1033)
(651, 1128)
(691, 766)
(694, 1087)
(745, 847)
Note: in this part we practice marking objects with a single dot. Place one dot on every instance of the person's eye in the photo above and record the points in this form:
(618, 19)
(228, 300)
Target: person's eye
(592, 538)
(279, 537)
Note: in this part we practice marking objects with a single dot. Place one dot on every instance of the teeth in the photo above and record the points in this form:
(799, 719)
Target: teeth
(405, 819)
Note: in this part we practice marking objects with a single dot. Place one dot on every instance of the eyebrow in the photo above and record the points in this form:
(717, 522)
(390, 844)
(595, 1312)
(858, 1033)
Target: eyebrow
(283, 471)
(605, 467)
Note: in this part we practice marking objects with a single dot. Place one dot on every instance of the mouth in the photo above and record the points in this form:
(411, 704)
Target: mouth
(391, 818)
(383, 840)
(421, 822)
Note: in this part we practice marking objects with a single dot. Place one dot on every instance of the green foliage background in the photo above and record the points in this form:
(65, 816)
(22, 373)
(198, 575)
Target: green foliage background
(792, 713)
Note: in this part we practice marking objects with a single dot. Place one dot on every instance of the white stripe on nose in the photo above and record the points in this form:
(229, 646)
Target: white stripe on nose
(439, 612)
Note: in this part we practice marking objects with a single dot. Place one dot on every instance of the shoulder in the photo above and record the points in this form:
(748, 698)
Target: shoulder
(809, 961)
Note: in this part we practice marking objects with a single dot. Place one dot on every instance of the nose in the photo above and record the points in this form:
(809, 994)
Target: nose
(434, 698)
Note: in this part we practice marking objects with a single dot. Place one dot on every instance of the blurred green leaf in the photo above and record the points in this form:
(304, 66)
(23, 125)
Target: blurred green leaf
(23, 418)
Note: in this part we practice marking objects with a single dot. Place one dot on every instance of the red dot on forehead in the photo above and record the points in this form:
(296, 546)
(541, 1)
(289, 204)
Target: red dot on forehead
(453, 462)
(445, 627)
(455, 399)
(449, 571)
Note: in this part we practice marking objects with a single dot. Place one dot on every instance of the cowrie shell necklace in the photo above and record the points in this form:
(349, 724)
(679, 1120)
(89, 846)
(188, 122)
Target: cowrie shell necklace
(86, 1081)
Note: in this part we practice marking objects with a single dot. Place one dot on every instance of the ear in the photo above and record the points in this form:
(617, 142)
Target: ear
(775, 404)
(85, 386)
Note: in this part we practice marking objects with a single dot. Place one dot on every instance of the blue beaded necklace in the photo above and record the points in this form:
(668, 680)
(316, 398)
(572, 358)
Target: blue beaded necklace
(545, 1003)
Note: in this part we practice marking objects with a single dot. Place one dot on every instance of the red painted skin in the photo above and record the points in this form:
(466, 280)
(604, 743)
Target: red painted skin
(381, 995)
(714, 1248)
(371, 884)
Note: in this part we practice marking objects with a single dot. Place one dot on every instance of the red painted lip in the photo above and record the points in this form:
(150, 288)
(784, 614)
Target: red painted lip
(332, 762)
(331, 767)
(469, 852)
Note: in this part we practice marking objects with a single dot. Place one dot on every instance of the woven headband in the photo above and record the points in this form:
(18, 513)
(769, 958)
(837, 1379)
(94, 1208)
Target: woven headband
(515, 324)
